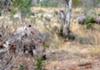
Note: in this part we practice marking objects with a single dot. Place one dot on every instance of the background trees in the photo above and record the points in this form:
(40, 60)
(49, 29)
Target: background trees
(22, 5)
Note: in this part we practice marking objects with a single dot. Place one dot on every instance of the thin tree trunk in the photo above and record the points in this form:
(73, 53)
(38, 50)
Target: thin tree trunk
(66, 27)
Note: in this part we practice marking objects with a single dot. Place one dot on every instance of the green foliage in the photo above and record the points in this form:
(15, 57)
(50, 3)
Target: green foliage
(22, 5)
(0, 13)
(48, 3)
(99, 14)
(89, 22)
(0, 5)
(54, 3)
(46, 46)
(21, 67)
(39, 64)
(76, 2)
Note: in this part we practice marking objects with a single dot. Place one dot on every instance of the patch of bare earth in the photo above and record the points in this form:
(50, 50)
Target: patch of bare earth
(73, 58)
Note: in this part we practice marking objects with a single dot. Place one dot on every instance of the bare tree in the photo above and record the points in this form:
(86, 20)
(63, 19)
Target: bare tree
(66, 16)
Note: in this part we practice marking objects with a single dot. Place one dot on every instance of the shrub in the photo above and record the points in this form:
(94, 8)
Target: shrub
(99, 14)
(48, 3)
(21, 67)
(39, 64)
(89, 22)
(21, 5)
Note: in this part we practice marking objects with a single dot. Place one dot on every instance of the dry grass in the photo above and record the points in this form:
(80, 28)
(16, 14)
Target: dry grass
(77, 51)
(78, 30)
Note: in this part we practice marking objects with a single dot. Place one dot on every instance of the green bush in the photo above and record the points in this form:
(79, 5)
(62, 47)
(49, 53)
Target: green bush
(21, 5)
(99, 14)
(76, 2)
(89, 22)
(39, 64)
(21, 67)
(48, 3)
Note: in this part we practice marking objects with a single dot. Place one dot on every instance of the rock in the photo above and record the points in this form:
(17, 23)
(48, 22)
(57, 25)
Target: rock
(97, 20)
(81, 19)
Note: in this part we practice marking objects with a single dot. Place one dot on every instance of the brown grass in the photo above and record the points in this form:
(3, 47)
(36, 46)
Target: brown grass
(74, 48)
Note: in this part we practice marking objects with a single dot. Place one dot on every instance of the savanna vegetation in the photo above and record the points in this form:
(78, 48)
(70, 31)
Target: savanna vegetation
(49, 34)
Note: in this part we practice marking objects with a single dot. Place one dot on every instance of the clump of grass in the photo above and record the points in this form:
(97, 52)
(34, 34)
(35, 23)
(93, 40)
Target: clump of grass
(46, 46)
(39, 64)
(21, 67)
(69, 37)
(88, 21)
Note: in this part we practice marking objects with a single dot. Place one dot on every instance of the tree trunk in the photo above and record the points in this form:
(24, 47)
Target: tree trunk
(66, 27)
